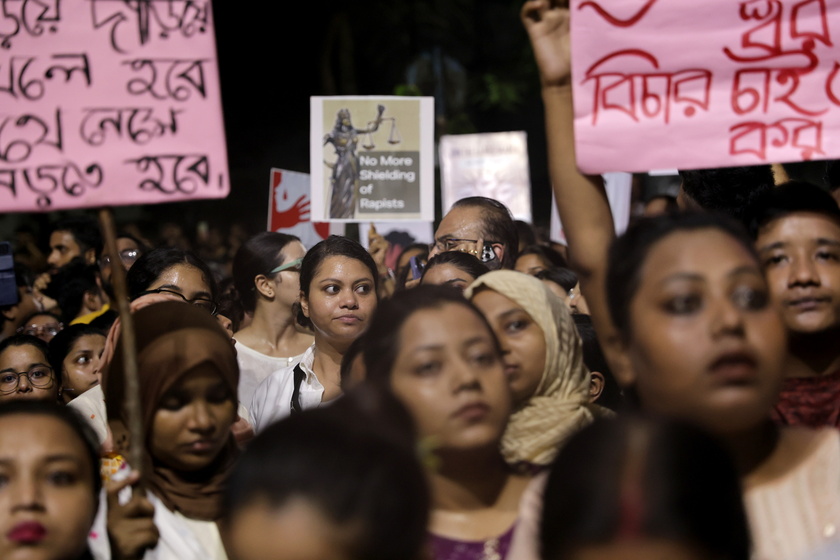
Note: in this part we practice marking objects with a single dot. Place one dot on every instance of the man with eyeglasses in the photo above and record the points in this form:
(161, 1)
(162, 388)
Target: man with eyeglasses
(482, 227)
(129, 249)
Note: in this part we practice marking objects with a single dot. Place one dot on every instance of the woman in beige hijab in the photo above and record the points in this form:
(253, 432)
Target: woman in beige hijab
(543, 361)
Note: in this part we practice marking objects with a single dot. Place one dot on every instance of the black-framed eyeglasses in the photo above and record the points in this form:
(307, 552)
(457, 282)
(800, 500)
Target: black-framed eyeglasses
(206, 303)
(50, 329)
(127, 257)
(39, 376)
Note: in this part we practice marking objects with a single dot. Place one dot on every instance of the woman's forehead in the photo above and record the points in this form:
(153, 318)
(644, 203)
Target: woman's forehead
(708, 253)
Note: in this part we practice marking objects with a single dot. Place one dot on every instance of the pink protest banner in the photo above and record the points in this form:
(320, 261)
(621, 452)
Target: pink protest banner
(671, 83)
(108, 102)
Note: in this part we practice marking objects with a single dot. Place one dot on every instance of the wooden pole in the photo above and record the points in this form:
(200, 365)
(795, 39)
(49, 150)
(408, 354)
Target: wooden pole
(129, 346)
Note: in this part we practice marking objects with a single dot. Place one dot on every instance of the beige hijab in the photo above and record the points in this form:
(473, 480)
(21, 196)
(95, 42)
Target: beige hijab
(560, 406)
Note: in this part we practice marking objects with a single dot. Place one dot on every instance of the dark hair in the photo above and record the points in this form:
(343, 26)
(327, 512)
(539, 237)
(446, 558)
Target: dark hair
(259, 255)
(24, 277)
(353, 351)
(60, 345)
(832, 174)
(332, 246)
(382, 339)
(85, 232)
(104, 321)
(153, 264)
(628, 254)
(790, 198)
(593, 357)
(69, 286)
(547, 254)
(561, 276)
(497, 225)
(460, 260)
(70, 418)
(728, 190)
(351, 463)
(526, 234)
(230, 304)
(634, 477)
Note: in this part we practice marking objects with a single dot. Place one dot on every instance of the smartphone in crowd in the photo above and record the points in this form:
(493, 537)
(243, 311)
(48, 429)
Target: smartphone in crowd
(8, 287)
(417, 267)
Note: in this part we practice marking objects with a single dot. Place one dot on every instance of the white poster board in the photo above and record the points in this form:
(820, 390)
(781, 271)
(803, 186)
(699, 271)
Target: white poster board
(372, 158)
(494, 165)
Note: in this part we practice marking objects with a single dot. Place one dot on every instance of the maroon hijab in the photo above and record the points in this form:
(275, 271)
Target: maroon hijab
(172, 339)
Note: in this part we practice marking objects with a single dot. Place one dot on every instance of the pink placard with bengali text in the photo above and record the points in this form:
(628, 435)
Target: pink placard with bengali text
(678, 84)
(109, 103)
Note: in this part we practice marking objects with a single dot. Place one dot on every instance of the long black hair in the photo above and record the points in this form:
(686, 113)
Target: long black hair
(637, 477)
(259, 255)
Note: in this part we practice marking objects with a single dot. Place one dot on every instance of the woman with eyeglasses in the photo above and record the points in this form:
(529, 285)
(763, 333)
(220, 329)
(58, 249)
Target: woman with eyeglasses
(174, 273)
(41, 324)
(25, 371)
(338, 295)
(163, 274)
(266, 275)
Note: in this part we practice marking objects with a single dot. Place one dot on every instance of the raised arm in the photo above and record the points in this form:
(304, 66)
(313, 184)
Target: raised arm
(581, 199)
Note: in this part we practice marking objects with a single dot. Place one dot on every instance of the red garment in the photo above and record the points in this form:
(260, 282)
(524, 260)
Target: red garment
(809, 401)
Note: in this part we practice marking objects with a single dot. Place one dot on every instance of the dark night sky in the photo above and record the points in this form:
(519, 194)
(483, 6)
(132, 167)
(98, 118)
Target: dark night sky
(271, 63)
(272, 59)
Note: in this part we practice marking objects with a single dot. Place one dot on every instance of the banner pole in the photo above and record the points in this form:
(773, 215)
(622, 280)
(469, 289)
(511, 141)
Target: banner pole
(132, 386)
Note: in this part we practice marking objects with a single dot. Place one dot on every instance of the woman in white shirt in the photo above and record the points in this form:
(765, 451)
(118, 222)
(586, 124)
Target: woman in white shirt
(338, 295)
(266, 274)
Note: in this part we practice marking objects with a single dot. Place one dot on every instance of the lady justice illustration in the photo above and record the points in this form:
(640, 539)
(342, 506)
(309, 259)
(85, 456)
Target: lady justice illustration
(345, 170)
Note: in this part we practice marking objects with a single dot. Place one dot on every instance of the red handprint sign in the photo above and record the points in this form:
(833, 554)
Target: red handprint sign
(289, 208)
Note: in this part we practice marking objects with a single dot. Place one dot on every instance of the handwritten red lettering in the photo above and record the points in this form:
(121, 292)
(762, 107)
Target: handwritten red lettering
(655, 93)
(766, 40)
(752, 89)
(756, 137)
(633, 20)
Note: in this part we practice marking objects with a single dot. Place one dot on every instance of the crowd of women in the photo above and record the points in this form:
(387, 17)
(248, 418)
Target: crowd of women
(318, 408)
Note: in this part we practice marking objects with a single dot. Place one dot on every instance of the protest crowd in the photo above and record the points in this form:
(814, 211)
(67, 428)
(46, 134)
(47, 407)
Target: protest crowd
(669, 393)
